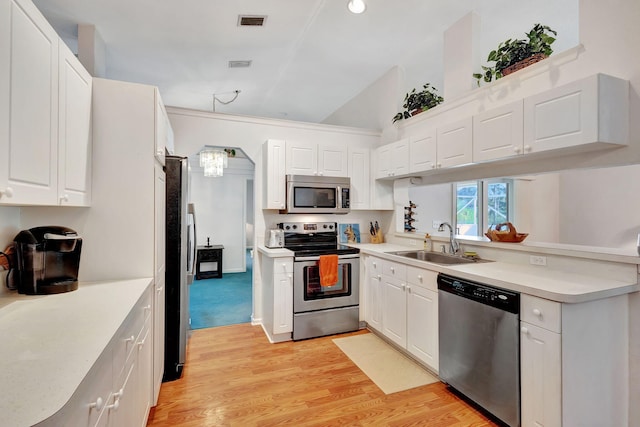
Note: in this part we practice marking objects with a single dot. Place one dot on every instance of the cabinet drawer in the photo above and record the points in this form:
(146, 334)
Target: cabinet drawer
(374, 266)
(541, 312)
(209, 255)
(283, 265)
(125, 339)
(425, 278)
(392, 269)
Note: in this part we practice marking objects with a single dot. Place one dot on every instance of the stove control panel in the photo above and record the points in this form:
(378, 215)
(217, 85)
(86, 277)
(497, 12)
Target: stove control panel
(308, 227)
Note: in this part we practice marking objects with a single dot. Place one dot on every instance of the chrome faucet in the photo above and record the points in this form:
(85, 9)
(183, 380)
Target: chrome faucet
(454, 246)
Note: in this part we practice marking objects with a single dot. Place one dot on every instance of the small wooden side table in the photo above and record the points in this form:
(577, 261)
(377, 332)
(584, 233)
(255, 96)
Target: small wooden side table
(209, 254)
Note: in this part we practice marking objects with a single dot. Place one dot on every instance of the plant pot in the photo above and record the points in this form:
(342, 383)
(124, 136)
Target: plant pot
(416, 111)
(524, 63)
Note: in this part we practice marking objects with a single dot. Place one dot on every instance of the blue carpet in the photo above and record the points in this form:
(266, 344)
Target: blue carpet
(220, 302)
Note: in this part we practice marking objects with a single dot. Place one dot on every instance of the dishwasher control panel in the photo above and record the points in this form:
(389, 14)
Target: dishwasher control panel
(489, 295)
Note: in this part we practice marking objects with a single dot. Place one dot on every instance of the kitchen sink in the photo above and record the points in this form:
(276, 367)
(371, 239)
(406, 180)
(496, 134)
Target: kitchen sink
(437, 257)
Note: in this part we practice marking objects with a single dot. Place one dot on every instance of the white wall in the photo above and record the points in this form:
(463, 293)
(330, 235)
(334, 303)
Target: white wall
(9, 227)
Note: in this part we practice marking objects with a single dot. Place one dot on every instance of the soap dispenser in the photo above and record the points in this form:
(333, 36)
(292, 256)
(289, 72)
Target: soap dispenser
(428, 244)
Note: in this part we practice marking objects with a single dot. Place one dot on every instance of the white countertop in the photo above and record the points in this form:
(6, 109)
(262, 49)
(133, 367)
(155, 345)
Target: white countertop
(528, 279)
(50, 342)
(275, 252)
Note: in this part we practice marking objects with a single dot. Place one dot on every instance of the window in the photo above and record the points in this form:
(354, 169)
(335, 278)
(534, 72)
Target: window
(481, 204)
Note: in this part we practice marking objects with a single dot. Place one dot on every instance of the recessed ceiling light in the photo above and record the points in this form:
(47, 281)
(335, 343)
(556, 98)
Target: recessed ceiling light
(239, 64)
(251, 20)
(356, 6)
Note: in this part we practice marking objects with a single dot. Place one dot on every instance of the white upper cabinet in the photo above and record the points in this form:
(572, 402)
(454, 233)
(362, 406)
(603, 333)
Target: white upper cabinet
(393, 159)
(274, 191)
(588, 111)
(360, 194)
(454, 143)
(29, 109)
(164, 133)
(74, 142)
(497, 133)
(316, 159)
(45, 113)
(422, 152)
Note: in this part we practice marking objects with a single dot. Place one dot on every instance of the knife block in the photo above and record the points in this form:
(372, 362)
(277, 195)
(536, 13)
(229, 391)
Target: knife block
(378, 238)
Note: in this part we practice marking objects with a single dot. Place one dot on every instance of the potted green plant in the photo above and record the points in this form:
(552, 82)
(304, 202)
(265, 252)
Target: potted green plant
(417, 102)
(513, 55)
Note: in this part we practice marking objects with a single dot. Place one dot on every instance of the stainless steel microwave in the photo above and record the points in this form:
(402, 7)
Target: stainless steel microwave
(308, 194)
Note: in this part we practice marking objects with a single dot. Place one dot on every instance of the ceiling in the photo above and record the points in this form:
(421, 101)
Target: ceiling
(310, 57)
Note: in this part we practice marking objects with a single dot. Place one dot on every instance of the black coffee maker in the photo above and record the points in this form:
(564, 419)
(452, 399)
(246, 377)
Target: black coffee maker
(48, 260)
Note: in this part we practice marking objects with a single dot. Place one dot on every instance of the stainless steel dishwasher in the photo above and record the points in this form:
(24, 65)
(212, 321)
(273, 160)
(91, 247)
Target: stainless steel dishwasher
(480, 344)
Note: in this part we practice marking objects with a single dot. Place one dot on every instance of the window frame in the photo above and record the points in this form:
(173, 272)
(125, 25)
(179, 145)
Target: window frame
(482, 186)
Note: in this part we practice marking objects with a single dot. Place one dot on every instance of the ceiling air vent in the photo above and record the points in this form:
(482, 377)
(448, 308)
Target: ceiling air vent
(251, 20)
(239, 64)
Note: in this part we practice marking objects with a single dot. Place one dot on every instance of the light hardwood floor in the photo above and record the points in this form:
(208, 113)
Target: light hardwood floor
(235, 377)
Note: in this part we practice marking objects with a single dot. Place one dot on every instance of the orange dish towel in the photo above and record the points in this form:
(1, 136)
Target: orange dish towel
(328, 265)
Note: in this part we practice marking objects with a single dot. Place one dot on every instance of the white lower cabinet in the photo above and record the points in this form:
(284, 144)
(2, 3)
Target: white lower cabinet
(540, 376)
(373, 293)
(574, 362)
(422, 315)
(402, 304)
(277, 308)
(118, 389)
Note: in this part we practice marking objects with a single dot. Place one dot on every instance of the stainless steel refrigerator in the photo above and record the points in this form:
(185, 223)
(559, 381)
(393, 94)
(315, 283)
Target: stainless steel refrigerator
(180, 246)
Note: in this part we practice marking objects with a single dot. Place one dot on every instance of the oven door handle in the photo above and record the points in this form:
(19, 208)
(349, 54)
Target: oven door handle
(315, 258)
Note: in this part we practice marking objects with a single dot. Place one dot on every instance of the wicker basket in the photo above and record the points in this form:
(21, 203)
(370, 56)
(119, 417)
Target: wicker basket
(505, 232)
(524, 63)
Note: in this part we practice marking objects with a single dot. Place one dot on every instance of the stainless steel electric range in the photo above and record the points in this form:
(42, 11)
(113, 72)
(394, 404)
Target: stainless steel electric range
(322, 310)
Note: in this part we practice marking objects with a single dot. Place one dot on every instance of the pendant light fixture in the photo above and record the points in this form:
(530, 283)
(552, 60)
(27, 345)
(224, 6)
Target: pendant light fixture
(213, 162)
(356, 6)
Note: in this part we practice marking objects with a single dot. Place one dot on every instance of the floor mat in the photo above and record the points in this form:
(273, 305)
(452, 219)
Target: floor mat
(389, 369)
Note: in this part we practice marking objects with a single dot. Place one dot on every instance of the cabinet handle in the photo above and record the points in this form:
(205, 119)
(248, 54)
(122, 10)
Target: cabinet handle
(141, 343)
(527, 148)
(130, 339)
(115, 405)
(439, 165)
(537, 312)
(433, 166)
(379, 277)
(404, 287)
(524, 330)
(7, 192)
(97, 405)
(409, 289)
(374, 264)
(516, 150)
(64, 198)
(393, 270)
(420, 277)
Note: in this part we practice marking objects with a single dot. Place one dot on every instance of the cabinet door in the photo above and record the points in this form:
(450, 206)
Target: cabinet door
(497, 133)
(163, 129)
(383, 161)
(74, 133)
(302, 159)
(422, 152)
(540, 374)
(159, 282)
(360, 194)
(332, 161)
(400, 157)
(454, 144)
(422, 324)
(373, 312)
(590, 110)
(274, 156)
(283, 303)
(394, 310)
(145, 370)
(29, 114)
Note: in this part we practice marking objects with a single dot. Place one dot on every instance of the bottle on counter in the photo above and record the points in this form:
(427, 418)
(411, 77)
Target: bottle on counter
(428, 244)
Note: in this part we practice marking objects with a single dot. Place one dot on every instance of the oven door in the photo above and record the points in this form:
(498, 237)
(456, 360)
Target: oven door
(310, 295)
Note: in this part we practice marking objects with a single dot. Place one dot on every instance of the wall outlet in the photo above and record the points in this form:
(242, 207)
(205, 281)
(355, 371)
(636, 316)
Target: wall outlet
(537, 260)
(436, 224)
